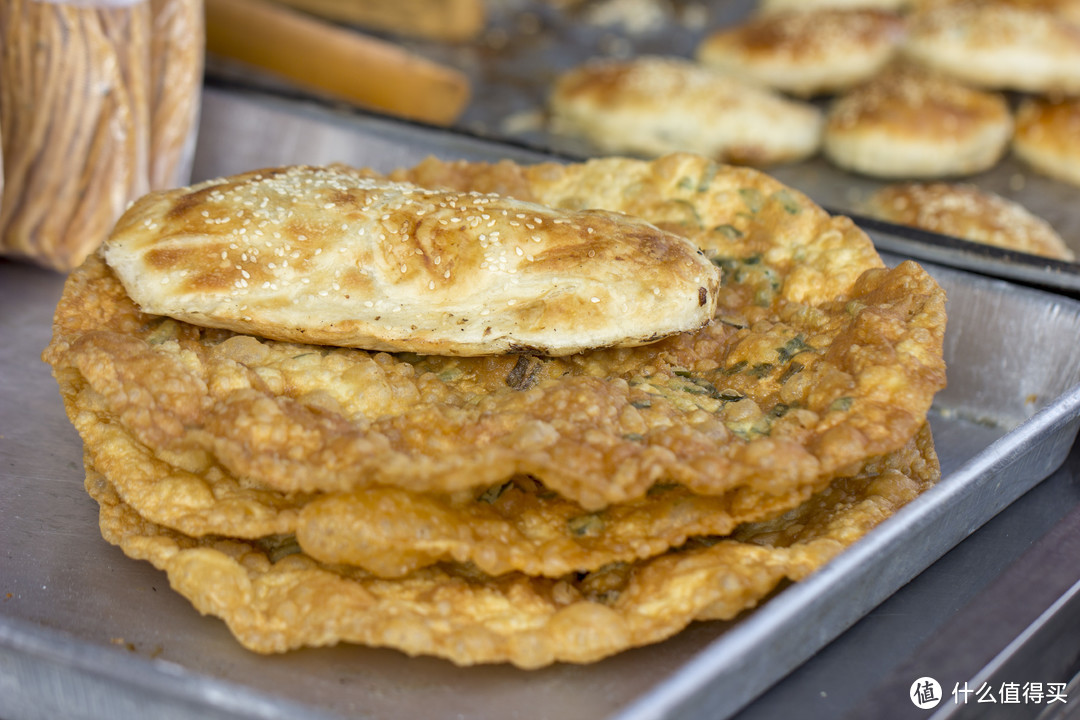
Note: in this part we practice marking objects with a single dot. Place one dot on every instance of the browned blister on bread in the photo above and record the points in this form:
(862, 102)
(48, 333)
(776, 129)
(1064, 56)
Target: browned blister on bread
(331, 256)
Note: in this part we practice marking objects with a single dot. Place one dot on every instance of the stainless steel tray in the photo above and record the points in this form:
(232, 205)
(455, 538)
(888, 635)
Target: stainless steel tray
(88, 633)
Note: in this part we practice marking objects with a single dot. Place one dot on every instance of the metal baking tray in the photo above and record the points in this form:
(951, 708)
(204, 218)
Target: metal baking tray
(87, 633)
(528, 43)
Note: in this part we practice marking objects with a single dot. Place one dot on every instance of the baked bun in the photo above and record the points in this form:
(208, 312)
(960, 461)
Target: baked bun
(1047, 137)
(968, 212)
(808, 52)
(1065, 9)
(331, 256)
(998, 46)
(910, 123)
(782, 6)
(653, 106)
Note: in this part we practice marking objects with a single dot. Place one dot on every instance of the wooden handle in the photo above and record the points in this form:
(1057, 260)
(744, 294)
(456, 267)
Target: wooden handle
(346, 64)
(449, 20)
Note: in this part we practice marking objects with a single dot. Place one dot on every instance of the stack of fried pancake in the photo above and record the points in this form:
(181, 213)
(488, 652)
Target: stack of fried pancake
(614, 467)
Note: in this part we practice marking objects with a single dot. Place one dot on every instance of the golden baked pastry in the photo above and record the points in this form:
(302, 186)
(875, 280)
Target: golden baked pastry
(600, 427)
(1047, 137)
(911, 123)
(515, 525)
(327, 255)
(274, 597)
(1065, 9)
(1000, 46)
(650, 106)
(511, 507)
(766, 7)
(967, 212)
(806, 52)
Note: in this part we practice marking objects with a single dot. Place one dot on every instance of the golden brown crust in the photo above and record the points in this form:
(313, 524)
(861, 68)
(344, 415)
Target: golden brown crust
(275, 598)
(908, 122)
(330, 256)
(786, 6)
(724, 210)
(1047, 137)
(968, 212)
(650, 106)
(517, 525)
(1065, 9)
(1001, 46)
(809, 52)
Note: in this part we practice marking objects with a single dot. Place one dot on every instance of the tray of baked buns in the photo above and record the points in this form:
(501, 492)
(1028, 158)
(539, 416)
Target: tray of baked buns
(225, 498)
(882, 109)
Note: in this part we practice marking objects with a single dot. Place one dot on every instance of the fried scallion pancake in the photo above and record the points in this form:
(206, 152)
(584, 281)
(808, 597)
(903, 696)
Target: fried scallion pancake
(819, 358)
(518, 525)
(273, 597)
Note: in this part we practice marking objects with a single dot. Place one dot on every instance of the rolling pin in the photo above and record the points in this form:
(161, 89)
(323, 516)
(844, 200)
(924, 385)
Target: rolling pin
(449, 20)
(339, 61)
